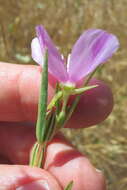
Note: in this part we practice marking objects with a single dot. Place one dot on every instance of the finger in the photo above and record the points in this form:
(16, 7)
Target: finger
(62, 160)
(19, 94)
(4, 160)
(19, 97)
(94, 106)
(26, 178)
(16, 141)
(67, 164)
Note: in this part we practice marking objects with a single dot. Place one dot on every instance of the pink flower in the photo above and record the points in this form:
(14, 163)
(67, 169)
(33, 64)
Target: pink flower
(93, 48)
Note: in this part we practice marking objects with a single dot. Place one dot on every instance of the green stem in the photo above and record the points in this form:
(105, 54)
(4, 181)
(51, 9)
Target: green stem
(37, 155)
(65, 99)
(90, 76)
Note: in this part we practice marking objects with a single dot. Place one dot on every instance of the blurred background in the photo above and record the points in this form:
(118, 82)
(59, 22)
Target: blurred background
(65, 20)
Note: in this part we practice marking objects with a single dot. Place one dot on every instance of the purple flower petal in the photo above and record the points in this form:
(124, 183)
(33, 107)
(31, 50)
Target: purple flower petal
(55, 61)
(93, 48)
(36, 51)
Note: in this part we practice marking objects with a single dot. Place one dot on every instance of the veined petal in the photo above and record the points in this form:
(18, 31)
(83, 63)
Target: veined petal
(55, 62)
(94, 47)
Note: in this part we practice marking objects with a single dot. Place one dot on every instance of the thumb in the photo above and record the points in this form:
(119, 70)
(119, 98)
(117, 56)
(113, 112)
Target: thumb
(25, 178)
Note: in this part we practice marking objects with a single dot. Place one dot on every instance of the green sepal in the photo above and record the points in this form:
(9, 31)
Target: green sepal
(42, 106)
(57, 104)
(69, 186)
(61, 119)
(54, 100)
(81, 90)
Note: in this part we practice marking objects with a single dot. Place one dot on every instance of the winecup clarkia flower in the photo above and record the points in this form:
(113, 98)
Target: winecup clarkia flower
(93, 48)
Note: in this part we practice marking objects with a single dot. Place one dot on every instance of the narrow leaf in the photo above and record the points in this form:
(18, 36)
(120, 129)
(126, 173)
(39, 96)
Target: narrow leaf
(42, 107)
(69, 186)
(50, 125)
(51, 128)
(33, 154)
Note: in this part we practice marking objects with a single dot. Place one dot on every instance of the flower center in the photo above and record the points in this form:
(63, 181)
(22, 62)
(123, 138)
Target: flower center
(68, 87)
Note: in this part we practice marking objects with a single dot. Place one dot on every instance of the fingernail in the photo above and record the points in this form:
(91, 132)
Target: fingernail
(39, 185)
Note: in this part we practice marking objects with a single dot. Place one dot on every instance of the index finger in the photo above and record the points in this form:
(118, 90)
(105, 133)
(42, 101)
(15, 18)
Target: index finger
(19, 86)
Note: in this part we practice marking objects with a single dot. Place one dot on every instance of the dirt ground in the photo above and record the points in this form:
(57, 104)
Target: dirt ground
(65, 20)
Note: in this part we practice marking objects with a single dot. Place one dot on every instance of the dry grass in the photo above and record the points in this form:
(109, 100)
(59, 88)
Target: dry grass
(65, 20)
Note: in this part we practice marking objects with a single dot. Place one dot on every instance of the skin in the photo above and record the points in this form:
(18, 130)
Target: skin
(19, 86)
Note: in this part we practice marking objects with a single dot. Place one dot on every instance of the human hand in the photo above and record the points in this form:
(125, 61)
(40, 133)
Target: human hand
(18, 102)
